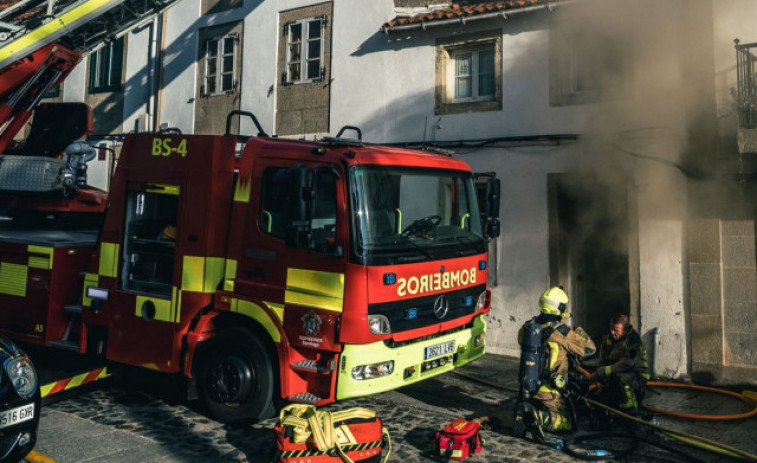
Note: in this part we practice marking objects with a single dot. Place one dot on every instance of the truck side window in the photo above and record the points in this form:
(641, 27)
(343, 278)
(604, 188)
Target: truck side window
(323, 219)
(149, 242)
(274, 217)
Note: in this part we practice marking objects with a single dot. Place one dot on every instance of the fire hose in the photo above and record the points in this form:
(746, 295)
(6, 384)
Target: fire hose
(746, 396)
(690, 439)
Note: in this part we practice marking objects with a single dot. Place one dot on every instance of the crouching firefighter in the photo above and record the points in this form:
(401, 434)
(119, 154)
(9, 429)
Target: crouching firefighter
(623, 369)
(546, 343)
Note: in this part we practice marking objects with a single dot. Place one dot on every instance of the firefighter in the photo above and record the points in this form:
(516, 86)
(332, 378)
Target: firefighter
(623, 369)
(546, 342)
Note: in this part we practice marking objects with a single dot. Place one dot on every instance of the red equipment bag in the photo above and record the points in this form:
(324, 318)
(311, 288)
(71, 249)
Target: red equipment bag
(346, 436)
(459, 439)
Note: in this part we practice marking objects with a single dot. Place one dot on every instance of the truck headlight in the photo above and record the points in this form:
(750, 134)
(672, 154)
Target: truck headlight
(22, 375)
(379, 324)
(374, 370)
(481, 301)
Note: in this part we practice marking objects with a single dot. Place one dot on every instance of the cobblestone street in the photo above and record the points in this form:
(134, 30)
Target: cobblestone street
(125, 423)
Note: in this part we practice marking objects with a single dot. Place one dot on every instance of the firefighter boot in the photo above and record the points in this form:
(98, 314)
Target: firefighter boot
(534, 422)
(519, 426)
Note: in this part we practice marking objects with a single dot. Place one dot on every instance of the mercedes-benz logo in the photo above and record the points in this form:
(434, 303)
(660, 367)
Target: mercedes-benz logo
(441, 307)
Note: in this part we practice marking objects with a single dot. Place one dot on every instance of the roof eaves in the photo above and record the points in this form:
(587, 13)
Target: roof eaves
(477, 17)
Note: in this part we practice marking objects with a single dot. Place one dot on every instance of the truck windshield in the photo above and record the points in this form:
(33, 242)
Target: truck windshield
(411, 215)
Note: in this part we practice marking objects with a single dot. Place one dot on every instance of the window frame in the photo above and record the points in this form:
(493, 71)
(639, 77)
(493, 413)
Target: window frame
(304, 57)
(114, 68)
(448, 49)
(219, 73)
(568, 66)
(474, 75)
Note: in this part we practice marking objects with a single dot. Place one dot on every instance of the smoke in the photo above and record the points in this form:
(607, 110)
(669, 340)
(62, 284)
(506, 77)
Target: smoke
(632, 65)
(626, 61)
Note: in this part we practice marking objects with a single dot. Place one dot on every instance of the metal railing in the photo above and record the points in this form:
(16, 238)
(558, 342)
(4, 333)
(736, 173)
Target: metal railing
(746, 87)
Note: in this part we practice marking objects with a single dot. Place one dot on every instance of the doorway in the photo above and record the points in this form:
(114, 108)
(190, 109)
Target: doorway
(591, 238)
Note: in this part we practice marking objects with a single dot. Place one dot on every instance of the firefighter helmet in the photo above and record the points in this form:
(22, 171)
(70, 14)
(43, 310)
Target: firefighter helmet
(553, 302)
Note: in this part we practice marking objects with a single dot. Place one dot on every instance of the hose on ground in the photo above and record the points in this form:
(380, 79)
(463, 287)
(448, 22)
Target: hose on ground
(735, 416)
(680, 435)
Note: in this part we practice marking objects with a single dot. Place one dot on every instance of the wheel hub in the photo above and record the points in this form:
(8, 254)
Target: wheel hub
(230, 380)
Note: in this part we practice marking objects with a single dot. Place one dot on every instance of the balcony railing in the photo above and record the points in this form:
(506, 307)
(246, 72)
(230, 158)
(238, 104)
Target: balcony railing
(746, 88)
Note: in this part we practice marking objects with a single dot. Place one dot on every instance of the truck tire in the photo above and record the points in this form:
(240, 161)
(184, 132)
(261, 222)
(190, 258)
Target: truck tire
(235, 379)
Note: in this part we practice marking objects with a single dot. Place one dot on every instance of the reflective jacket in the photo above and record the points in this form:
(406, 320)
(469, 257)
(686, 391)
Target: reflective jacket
(562, 341)
(626, 355)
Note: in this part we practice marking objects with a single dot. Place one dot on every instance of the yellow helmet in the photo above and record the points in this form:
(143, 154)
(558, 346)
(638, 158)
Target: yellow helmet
(553, 302)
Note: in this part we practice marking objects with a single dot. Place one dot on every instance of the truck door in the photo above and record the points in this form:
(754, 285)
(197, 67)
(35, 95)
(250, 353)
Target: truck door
(146, 294)
(305, 280)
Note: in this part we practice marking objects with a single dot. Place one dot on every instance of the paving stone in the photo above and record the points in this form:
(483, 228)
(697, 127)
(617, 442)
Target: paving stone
(119, 423)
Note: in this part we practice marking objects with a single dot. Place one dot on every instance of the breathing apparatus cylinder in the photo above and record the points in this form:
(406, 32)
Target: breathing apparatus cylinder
(529, 372)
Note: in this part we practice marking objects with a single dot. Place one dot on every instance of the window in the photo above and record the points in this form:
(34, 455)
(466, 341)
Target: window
(150, 235)
(220, 62)
(304, 62)
(468, 75)
(53, 92)
(323, 215)
(474, 75)
(105, 67)
(586, 65)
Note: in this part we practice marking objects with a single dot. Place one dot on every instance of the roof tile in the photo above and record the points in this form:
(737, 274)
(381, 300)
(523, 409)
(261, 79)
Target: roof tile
(463, 9)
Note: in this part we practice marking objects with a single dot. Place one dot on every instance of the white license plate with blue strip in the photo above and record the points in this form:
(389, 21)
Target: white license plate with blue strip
(437, 350)
(16, 415)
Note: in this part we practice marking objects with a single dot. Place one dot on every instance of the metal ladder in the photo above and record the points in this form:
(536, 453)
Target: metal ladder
(81, 25)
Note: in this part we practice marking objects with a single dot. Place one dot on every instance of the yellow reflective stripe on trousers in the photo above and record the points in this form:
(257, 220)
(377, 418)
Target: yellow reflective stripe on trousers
(45, 261)
(258, 314)
(319, 290)
(13, 279)
(109, 259)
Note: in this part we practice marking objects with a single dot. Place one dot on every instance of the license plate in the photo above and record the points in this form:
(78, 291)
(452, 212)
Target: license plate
(439, 349)
(16, 415)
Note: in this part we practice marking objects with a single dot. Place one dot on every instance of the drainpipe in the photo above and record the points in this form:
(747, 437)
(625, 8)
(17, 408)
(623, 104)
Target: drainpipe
(655, 343)
(156, 91)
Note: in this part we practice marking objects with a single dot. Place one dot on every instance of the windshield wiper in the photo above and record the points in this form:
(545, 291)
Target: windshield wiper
(416, 246)
(468, 242)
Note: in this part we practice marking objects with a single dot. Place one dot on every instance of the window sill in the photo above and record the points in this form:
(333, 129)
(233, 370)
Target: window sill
(467, 107)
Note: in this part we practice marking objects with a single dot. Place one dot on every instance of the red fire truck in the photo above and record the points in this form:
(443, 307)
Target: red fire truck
(261, 268)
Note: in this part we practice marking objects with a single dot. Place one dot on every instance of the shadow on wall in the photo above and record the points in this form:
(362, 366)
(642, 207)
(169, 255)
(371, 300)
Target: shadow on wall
(179, 55)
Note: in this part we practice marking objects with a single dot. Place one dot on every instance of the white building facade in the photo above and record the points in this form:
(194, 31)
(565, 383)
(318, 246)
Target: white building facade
(603, 119)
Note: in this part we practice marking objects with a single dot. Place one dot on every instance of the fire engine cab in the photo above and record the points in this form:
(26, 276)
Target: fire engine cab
(263, 269)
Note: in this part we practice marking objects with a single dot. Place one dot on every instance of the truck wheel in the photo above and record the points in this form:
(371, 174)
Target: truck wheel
(235, 378)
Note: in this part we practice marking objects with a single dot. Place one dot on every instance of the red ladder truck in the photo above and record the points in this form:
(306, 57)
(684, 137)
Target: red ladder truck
(263, 268)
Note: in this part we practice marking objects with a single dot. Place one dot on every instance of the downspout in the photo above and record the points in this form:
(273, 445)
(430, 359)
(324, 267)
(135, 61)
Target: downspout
(156, 92)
